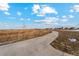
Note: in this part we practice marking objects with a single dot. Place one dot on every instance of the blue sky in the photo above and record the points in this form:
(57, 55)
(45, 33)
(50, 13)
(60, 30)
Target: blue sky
(38, 15)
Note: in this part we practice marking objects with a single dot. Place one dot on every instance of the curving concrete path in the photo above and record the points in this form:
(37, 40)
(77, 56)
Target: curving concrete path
(34, 47)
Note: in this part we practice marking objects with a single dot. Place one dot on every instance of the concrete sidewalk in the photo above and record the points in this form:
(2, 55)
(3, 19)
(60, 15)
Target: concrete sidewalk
(33, 47)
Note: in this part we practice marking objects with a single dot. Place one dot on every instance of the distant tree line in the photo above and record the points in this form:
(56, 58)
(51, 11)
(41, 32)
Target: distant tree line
(67, 28)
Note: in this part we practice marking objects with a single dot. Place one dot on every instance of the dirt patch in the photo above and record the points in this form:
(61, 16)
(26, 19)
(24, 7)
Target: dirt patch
(67, 41)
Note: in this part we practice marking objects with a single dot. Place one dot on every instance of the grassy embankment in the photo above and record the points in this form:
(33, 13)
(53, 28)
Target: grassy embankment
(64, 44)
(10, 36)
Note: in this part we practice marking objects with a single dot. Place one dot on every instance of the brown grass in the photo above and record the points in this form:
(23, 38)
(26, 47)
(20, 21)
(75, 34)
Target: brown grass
(62, 42)
(9, 36)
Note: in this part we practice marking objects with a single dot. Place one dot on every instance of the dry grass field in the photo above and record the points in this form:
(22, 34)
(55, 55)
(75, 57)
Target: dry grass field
(64, 44)
(10, 36)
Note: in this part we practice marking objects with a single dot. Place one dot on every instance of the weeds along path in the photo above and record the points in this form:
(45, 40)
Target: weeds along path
(35, 47)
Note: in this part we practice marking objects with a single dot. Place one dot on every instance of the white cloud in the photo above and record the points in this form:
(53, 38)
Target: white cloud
(72, 10)
(71, 16)
(64, 16)
(44, 21)
(75, 8)
(56, 23)
(54, 20)
(41, 14)
(40, 10)
(64, 20)
(4, 24)
(36, 7)
(4, 6)
(12, 17)
(25, 8)
(28, 19)
(22, 19)
(67, 17)
(48, 20)
(48, 9)
(19, 13)
(6, 13)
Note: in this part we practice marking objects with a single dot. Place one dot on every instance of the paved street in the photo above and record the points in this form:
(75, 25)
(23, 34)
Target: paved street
(33, 47)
